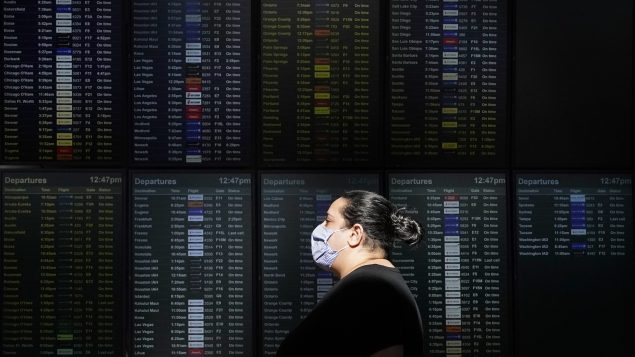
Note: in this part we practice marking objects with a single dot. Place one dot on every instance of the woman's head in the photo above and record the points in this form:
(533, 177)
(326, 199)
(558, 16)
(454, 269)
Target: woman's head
(382, 222)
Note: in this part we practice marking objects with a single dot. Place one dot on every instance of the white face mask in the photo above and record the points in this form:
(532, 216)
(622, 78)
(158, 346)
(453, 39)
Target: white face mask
(323, 255)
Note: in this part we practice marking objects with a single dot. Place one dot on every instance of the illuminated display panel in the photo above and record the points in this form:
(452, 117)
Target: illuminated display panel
(574, 253)
(320, 95)
(448, 83)
(191, 264)
(62, 267)
(191, 82)
(459, 275)
(62, 81)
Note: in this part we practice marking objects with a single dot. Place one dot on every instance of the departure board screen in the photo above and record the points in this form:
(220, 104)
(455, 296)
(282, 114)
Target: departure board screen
(448, 82)
(191, 82)
(191, 264)
(62, 237)
(62, 88)
(291, 206)
(574, 237)
(459, 274)
(320, 100)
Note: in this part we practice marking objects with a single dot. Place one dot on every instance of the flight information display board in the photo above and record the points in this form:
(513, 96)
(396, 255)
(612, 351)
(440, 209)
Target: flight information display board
(191, 82)
(320, 82)
(574, 246)
(62, 236)
(191, 264)
(448, 82)
(62, 87)
(459, 274)
(291, 206)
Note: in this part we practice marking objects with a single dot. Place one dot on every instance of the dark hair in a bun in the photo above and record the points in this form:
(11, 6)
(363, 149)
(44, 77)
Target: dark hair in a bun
(406, 229)
(383, 223)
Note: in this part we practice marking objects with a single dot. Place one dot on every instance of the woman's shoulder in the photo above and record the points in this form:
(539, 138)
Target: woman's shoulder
(378, 271)
(374, 276)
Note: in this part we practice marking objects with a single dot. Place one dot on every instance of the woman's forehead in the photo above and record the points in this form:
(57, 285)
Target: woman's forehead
(335, 209)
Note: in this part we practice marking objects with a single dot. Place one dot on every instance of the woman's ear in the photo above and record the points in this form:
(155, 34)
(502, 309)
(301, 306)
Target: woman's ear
(357, 235)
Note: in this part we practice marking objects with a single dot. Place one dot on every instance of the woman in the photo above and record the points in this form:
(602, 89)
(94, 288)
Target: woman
(370, 311)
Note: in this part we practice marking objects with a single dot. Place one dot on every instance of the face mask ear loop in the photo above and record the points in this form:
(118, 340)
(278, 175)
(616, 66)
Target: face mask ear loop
(332, 232)
(337, 252)
(344, 247)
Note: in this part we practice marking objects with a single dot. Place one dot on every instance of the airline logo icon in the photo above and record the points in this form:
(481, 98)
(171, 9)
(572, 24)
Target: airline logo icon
(452, 283)
(193, 81)
(64, 80)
